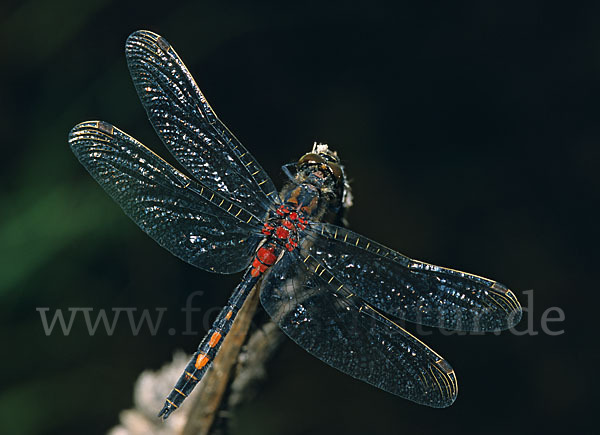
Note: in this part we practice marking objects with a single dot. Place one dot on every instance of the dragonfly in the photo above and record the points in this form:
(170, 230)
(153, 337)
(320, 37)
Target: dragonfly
(339, 295)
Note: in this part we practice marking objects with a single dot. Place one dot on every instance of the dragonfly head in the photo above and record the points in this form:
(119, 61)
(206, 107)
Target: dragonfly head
(322, 159)
(322, 167)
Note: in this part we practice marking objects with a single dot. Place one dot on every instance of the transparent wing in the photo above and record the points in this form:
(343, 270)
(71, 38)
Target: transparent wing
(189, 127)
(322, 316)
(190, 220)
(412, 290)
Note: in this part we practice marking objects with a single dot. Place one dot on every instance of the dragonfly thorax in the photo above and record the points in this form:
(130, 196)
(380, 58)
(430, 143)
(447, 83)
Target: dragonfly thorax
(282, 229)
(281, 233)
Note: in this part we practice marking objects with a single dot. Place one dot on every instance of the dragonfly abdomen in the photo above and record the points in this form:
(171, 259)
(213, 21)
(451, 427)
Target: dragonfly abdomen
(207, 350)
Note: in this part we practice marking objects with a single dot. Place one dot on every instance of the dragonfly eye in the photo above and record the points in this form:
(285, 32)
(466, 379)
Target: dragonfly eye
(310, 158)
(324, 162)
(336, 170)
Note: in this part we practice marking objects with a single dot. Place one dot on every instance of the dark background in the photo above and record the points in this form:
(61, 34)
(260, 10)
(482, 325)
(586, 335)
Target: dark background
(471, 134)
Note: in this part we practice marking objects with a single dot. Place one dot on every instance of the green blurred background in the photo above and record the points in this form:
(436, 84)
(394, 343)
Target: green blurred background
(471, 136)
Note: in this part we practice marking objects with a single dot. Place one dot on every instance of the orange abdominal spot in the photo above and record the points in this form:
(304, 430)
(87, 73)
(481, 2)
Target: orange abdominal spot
(214, 339)
(201, 361)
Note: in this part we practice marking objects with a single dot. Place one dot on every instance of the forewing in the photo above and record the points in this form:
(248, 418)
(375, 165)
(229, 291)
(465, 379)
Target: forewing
(322, 316)
(190, 220)
(409, 289)
(189, 127)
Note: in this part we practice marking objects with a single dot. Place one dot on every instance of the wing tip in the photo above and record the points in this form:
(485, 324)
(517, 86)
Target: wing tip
(148, 38)
(102, 126)
(139, 34)
(86, 130)
(449, 389)
(76, 130)
(438, 385)
(514, 316)
(510, 304)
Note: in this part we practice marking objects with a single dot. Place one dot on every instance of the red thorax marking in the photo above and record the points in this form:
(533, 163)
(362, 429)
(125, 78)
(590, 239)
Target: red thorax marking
(281, 233)
(285, 231)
